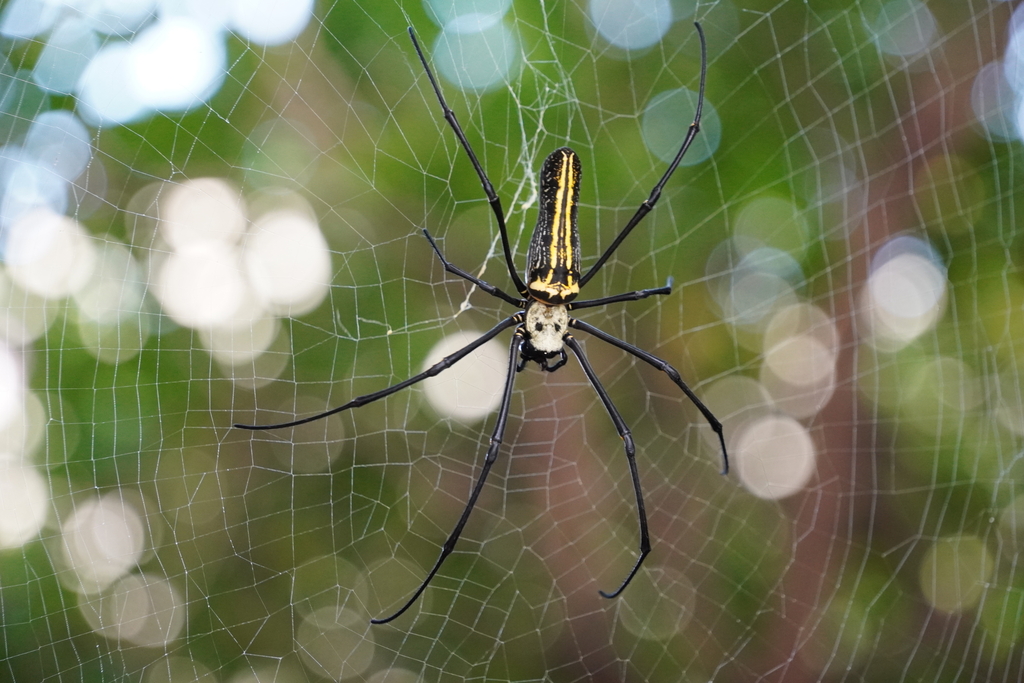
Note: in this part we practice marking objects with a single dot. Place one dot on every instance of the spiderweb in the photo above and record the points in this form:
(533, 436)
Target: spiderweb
(212, 214)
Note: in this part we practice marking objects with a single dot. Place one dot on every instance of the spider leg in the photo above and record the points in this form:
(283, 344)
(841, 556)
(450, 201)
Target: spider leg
(435, 369)
(627, 442)
(628, 296)
(649, 203)
(492, 196)
(672, 373)
(489, 458)
(485, 286)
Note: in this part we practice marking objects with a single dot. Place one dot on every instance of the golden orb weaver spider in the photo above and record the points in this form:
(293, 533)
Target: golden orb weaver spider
(543, 324)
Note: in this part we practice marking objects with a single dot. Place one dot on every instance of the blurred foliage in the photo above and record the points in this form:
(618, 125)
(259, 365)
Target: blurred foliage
(825, 582)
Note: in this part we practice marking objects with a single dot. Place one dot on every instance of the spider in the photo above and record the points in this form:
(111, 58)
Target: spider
(543, 326)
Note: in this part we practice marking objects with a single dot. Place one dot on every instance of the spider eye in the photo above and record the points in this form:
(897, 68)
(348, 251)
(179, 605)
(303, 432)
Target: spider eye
(538, 327)
(558, 328)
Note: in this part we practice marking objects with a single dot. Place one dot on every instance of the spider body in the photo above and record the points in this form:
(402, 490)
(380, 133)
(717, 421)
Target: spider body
(543, 324)
(553, 264)
(544, 329)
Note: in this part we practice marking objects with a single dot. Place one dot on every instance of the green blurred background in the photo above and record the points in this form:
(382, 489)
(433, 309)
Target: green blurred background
(261, 557)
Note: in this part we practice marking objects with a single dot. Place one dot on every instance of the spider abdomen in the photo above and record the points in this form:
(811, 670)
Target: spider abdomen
(553, 264)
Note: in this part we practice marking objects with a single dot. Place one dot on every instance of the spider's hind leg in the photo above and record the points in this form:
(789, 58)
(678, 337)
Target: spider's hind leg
(630, 449)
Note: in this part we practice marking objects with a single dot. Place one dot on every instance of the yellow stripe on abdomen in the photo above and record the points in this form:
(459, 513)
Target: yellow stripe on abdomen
(554, 257)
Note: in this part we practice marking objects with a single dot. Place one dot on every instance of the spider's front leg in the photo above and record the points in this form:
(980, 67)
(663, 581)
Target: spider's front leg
(486, 286)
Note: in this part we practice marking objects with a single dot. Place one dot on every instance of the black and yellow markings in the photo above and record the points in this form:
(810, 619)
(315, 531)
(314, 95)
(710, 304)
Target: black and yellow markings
(554, 258)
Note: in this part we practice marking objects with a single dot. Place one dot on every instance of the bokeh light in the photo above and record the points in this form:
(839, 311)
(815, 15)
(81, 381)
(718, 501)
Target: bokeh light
(775, 223)
(49, 254)
(174, 58)
(775, 457)
(905, 28)
(476, 52)
(176, 64)
(663, 135)
(230, 275)
(1011, 529)
(23, 19)
(270, 22)
(202, 285)
(661, 605)
(101, 541)
(24, 502)
(993, 100)
(287, 262)
(800, 374)
(750, 281)
(211, 213)
(200, 211)
(631, 24)
(241, 343)
(954, 572)
(395, 675)
(442, 12)
(71, 46)
(471, 389)
(1013, 59)
(138, 609)
(905, 294)
(101, 92)
(59, 143)
(12, 386)
(111, 319)
(26, 315)
(336, 643)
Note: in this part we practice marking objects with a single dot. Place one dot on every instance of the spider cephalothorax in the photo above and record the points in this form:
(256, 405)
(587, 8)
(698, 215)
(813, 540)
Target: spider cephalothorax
(543, 325)
(544, 335)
